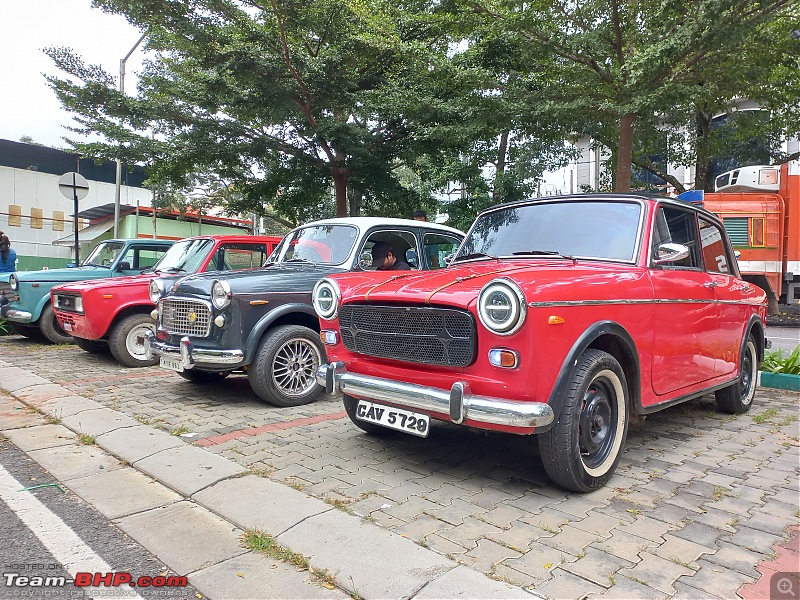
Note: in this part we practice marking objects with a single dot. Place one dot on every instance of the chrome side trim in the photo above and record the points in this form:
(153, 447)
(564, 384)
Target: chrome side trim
(648, 301)
(458, 402)
(191, 356)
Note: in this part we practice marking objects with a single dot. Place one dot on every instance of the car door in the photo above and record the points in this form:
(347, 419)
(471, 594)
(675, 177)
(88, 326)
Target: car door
(685, 312)
(730, 292)
(238, 256)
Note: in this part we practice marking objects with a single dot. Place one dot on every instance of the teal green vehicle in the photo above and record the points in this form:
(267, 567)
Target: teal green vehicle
(27, 305)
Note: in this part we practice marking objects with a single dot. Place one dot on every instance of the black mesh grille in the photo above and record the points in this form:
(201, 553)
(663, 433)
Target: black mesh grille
(420, 334)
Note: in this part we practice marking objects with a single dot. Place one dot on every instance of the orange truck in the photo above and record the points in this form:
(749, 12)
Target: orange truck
(760, 207)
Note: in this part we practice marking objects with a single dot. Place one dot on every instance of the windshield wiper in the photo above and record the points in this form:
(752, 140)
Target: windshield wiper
(298, 260)
(543, 253)
(174, 269)
(473, 255)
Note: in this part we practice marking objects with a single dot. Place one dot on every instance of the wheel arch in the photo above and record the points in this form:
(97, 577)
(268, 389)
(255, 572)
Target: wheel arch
(755, 327)
(288, 314)
(610, 337)
(131, 309)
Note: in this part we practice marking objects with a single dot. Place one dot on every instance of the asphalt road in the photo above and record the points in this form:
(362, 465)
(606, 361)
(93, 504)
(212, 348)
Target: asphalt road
(43, 528)
(785, 339)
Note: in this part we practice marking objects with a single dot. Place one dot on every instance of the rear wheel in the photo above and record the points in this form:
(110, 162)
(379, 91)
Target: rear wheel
(583, 448)
(50, 327)
(201, 377)
(350, 405)
(283, 372)
(91, 346)
(127, 341)
(738, 397)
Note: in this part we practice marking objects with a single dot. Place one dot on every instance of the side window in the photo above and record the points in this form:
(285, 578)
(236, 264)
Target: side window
(234, 257)
(675, 226)
(715, 254)
(437, 247)
(401, 244)
(148, 258)
(142, 257)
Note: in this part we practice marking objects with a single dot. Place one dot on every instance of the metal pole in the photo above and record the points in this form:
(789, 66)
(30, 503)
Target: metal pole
(119, 162)
(75, 221)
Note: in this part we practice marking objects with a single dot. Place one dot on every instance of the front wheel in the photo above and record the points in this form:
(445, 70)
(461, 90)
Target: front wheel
(91, 346)
(737, 398)
(51, 329)
(283, 371)
(127, 341)
(583, 448)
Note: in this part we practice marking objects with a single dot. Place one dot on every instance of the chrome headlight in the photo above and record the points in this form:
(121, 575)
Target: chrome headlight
(326, 298)
(156, 290)
(220, 294)
(501, 306)
(12, 281)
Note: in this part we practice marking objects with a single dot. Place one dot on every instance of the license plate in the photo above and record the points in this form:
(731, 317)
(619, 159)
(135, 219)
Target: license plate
(394, 418)
(67, 327)
(167, 362)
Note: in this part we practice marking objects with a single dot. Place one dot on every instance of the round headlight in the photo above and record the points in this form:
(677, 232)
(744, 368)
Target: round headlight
(326, 298)
(501, 307)
(156, 290)
(12, 281)
(220, 294)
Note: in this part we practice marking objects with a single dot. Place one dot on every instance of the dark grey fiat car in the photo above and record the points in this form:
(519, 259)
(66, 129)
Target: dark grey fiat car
(261, 322)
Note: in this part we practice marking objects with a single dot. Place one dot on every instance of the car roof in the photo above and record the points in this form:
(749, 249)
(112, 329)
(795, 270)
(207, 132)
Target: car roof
(142, 240)
(368, 222)
(243, 237)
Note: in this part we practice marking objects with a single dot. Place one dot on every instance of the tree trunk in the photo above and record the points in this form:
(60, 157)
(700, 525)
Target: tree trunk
(622, 180)
(356, 198)
(703, 167)
(340, 177)
(501, 166)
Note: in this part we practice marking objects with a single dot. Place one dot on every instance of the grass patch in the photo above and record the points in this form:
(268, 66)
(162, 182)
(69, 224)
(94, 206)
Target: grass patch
(179, 430)
(261, 542)
(339, 503)
(86, 439)
(51, 420)
(719, 493)
(765, 416)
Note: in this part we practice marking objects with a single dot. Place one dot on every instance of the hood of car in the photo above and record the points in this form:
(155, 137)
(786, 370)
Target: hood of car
(284, 277)
(460, 286)
(54, 275)
(106, 283)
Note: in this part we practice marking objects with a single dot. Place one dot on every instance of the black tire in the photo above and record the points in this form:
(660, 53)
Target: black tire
(91, 346)
(284, 368)
(50, 327)
(737, 398)
(126, 341)
(350, 405)
(203, 377)
(29, 331)
(583, 448)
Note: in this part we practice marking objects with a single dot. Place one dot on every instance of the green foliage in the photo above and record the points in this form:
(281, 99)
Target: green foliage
(775, 363)
(5, 327)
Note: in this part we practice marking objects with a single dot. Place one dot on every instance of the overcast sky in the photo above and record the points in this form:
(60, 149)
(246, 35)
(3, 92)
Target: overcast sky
(27, 105)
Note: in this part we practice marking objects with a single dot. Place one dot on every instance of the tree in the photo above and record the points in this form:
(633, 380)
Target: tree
(288, 99)
(611, 65)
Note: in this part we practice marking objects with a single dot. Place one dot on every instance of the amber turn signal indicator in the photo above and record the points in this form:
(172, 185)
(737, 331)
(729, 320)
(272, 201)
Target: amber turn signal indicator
(555, 320)
(504, 358)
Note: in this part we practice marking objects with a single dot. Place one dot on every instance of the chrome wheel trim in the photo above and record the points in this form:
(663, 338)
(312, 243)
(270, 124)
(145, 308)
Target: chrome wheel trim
(293, 367)
(134, 341)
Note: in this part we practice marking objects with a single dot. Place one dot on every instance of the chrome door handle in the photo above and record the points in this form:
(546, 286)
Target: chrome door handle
(710, 284)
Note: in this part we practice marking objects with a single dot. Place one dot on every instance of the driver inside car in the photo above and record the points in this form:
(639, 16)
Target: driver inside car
(383, 258)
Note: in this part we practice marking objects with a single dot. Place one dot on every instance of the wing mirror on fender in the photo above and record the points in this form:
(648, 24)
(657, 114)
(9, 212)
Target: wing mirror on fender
(669, 252)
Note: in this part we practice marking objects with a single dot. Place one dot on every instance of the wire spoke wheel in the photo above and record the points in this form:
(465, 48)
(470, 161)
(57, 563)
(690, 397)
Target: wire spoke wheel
(294, 366)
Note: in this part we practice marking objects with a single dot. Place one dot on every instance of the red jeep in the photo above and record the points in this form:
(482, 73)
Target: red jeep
(114, 314)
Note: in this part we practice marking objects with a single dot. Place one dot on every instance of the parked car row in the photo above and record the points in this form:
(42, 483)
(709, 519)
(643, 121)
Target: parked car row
(560, 317)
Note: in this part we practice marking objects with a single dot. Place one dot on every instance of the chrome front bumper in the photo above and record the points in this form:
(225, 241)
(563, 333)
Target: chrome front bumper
(22, 316)
(458, 402)
(189, 355)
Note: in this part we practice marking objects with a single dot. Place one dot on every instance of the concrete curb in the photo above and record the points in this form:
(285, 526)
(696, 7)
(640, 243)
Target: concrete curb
(195, 524)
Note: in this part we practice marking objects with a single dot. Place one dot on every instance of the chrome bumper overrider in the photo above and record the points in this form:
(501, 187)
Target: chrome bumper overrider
(13, 314)
(189, 354)
(458, 402)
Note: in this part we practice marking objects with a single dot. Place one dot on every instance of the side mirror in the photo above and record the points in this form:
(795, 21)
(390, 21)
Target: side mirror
(123, 266)
(669, 252)
(737, 255)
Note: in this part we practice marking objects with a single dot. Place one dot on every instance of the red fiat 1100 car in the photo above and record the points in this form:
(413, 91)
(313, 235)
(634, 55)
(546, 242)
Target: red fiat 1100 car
(560, 317)
(114, 314)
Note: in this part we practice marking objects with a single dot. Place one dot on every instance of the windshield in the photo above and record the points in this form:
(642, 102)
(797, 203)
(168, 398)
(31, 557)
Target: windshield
(185, 256)
(104, 254)
(319, 244)
(589, 229)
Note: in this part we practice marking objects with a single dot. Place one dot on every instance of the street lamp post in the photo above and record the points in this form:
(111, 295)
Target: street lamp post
(119, 162)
